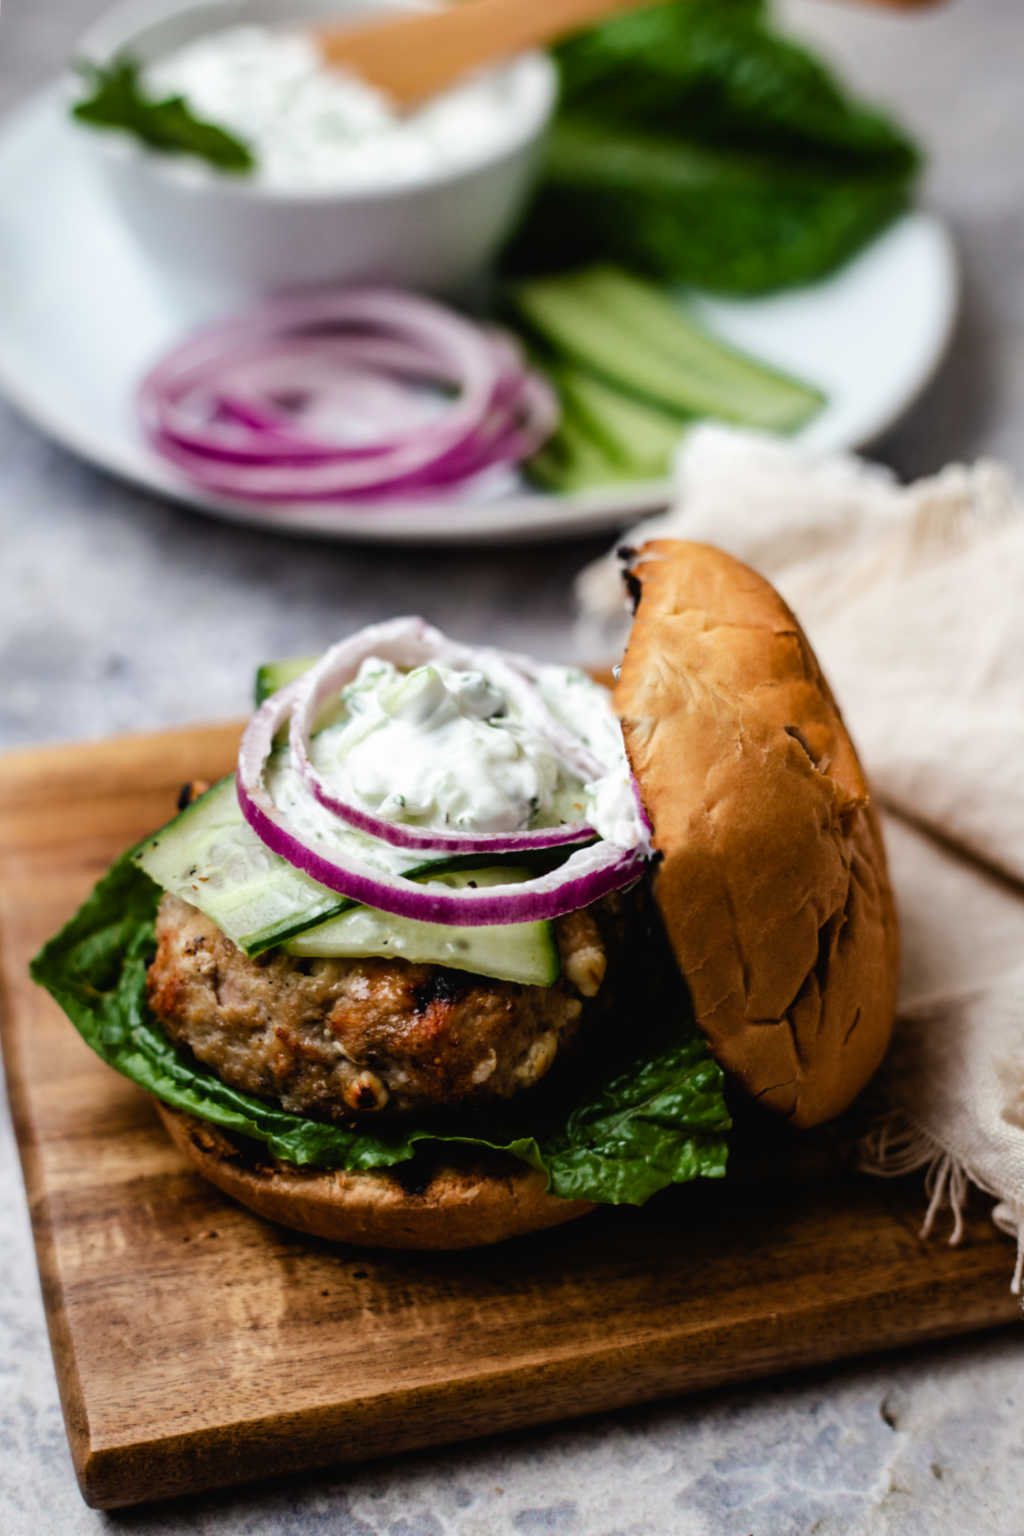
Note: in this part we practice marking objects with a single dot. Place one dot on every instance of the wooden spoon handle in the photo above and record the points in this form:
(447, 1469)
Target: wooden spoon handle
(414, 55)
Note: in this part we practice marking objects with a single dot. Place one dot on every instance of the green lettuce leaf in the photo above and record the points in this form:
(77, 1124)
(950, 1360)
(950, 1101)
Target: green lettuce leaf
(695, 143)
(632, 1127)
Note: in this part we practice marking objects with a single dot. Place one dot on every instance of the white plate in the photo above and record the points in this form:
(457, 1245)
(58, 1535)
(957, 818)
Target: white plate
(82, 314)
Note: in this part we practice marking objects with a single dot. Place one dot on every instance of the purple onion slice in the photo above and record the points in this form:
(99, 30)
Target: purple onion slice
(587, 875)
(240, 407)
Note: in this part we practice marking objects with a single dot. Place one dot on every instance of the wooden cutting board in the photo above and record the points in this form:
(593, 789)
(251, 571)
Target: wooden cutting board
(196, 1346)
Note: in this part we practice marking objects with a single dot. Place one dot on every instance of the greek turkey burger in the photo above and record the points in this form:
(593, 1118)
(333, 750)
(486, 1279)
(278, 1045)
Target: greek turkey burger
(469, 945)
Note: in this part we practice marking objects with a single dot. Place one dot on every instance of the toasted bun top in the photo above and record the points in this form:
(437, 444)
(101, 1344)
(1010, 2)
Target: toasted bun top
(773, 883)
(463, 1206)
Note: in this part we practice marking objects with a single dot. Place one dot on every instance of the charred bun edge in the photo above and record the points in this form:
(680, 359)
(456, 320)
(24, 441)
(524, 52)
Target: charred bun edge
(772, 883)
(462, 1205)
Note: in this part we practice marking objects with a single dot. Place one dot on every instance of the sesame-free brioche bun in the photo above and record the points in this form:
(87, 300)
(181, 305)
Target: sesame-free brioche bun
(772, 882)
(465, 1205)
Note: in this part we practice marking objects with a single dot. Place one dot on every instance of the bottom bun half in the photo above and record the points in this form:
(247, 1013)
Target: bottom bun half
(463, 1206)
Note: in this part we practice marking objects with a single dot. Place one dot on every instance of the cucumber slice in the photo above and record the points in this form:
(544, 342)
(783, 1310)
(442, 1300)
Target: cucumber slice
(572, 460)
(210, 857)
(523, 952)
(639, 436)
(605, 437)
(274, 674)
(630, 334)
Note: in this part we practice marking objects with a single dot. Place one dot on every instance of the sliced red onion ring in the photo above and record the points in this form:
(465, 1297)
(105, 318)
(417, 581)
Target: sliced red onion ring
(589, 872)
(240, 408)
(586, 876)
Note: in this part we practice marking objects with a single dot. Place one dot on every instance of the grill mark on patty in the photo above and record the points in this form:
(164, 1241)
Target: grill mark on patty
(440, 985)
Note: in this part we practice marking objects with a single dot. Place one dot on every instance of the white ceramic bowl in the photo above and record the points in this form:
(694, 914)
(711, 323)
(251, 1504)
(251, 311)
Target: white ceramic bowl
(237, 237)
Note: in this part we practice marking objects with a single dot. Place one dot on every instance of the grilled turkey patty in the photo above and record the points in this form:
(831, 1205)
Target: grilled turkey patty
(343, 1039)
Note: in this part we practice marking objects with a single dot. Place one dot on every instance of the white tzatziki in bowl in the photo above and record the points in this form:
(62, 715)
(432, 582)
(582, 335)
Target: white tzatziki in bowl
(343, 187)
(313, 128)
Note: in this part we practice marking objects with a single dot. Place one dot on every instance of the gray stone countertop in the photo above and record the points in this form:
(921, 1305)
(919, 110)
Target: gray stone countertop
(119, 612)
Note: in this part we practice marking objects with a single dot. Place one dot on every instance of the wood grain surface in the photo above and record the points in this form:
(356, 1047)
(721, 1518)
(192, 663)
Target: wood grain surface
(196, 1346)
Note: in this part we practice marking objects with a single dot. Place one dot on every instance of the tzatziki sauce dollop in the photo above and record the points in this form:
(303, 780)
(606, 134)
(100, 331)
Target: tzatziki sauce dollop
(437, 747)
(314, 128)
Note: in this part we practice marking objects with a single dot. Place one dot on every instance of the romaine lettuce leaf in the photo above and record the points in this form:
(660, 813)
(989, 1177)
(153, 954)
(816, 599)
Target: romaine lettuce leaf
(630, 1128)
(695, 143)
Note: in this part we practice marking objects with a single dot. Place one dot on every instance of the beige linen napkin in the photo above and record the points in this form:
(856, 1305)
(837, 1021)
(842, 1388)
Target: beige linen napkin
(914, 600)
